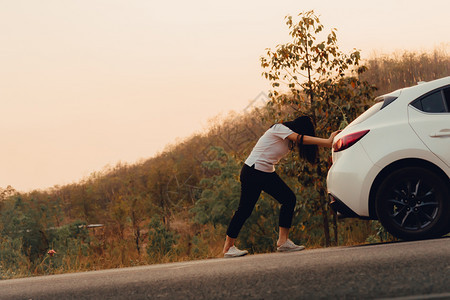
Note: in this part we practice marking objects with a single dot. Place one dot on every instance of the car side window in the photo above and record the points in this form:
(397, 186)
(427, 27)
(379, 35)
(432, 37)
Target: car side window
(447, 97)
(434, 102)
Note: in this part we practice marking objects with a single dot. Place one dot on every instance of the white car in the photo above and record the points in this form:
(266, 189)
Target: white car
(392, 163)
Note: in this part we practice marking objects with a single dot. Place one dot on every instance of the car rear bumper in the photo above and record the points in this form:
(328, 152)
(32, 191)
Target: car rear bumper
(349, 181)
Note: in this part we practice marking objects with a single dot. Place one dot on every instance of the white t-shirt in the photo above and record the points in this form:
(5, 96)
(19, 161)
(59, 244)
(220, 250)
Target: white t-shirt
(270, 148)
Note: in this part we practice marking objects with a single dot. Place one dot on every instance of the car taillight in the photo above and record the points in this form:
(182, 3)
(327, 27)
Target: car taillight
(348, 140)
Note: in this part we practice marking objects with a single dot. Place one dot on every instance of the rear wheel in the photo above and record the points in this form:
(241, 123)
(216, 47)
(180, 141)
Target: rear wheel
(413, 203)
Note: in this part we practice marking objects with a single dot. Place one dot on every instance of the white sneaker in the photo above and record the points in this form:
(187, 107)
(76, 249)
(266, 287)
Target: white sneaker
(235, 252)
(289, 246)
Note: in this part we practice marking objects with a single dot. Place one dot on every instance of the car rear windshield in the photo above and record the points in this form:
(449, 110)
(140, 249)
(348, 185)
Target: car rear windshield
(381, 102)
(368, 113)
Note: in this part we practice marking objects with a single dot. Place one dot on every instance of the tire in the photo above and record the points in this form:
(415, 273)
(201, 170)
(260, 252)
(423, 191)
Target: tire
(414, 203)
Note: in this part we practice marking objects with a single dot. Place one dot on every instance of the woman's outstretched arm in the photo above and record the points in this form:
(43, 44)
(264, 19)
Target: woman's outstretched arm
(312, 140)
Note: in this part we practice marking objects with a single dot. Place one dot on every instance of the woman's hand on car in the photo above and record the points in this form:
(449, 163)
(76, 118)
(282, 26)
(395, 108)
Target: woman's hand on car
(332, 135)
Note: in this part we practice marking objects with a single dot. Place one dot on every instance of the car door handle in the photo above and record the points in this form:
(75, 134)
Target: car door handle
(441, 133)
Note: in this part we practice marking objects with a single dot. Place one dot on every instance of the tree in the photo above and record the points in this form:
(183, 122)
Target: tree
(221, 191)
(321, 82)
(24, 219)
(7, 193)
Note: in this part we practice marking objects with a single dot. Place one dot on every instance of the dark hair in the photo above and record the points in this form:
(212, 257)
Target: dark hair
(304, 126)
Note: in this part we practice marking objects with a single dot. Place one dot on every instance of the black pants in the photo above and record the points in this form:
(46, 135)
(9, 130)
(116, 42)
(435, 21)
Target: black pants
(252, 183)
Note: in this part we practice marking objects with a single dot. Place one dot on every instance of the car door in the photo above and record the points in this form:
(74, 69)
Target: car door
(429, 116)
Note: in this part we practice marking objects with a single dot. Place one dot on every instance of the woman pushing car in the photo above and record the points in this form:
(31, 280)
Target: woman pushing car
(258, 174)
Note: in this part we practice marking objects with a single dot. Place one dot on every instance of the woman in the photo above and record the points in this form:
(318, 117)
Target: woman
(258, 174)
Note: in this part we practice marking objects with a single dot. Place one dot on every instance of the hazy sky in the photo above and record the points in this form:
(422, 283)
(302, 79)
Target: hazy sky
(89, 83)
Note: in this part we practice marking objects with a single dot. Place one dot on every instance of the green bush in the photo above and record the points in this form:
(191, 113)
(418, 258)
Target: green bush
(161, 241)
(13, 261)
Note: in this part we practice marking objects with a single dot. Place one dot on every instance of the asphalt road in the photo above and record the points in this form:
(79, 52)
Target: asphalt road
(405, 270)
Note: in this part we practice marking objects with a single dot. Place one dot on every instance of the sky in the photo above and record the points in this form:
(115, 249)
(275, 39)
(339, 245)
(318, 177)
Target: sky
(86, 84)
